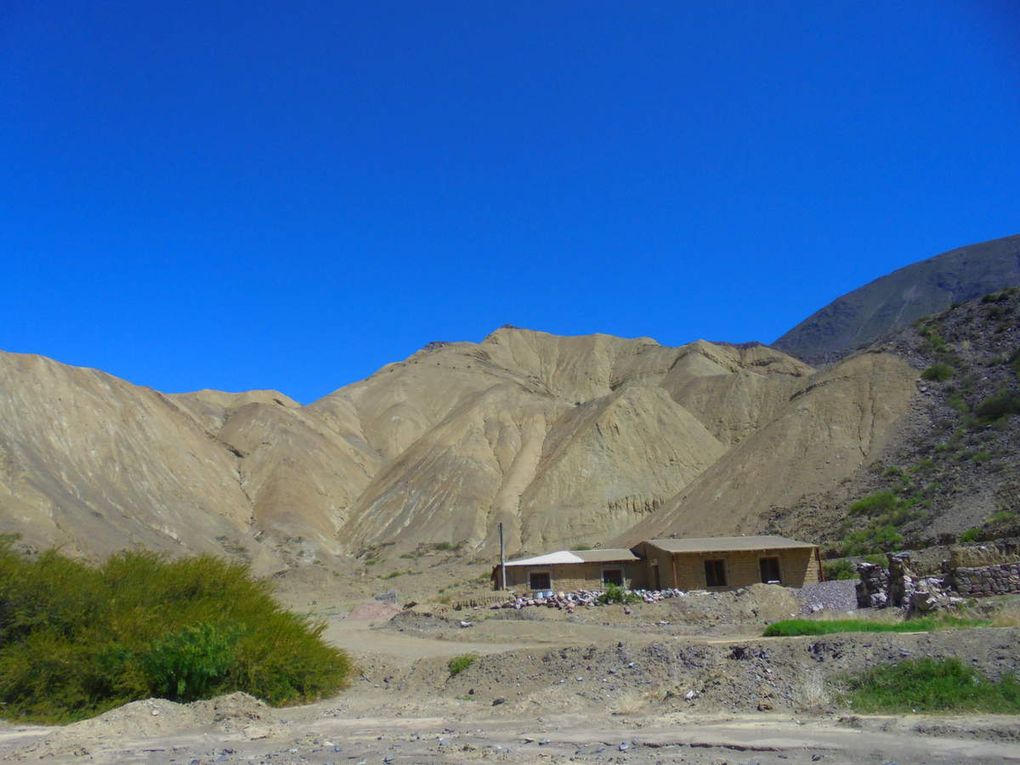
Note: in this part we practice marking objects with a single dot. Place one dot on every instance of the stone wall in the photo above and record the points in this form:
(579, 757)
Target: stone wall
(982, 581)
(899, 586)
(988, 554)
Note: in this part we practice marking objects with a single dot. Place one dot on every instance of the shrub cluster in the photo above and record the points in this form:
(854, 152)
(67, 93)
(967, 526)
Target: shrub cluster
(999, 405)
(938, 372)
(76, 639)
(614, 593)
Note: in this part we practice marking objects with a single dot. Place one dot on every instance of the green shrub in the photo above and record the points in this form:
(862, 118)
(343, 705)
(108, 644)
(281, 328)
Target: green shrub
(794, 627)
(938, 372)
(872, 539)
(459, 663)
(999, 405)
(76, 640)
(875, 504)
(930, 685)
(188, 664)
(614, 593)
(1014, 361)
(970, 535)
(839, 569)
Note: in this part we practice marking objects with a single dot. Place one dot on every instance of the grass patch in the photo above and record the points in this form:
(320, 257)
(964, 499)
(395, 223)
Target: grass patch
(795, 627)
(839, 569)
(77, 640)
(1001, 404)
(971, 535)
(938, 372)
(459, 663)
(930, 685)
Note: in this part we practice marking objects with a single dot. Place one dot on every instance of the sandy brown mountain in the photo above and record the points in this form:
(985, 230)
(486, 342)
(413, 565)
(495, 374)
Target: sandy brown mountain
(564, 439)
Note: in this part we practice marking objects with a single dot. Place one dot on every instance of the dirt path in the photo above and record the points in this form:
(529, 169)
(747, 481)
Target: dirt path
(557, 692)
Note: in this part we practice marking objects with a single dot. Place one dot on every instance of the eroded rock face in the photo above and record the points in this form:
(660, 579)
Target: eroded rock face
(564, 440)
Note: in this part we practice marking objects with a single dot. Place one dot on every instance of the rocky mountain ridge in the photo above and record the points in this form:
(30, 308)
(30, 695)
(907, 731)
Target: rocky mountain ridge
(892, 302)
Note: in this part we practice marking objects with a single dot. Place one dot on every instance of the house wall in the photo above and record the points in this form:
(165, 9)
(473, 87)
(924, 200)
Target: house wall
(567, 577)
(797, 567)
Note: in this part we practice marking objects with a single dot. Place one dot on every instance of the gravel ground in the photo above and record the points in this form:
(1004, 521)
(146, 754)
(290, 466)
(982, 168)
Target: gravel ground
(837, 595)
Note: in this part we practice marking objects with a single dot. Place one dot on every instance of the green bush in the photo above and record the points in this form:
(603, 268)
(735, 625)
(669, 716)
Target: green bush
(839, 569)
(999, 405)
(459, 663)
(188, 664)
(970, 535)
(76, 639)
(930, 685)
(872, 539)
(938, 372)
(614, 593)
(879, 503)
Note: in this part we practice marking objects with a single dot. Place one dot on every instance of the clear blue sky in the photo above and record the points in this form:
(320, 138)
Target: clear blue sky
(289, 195)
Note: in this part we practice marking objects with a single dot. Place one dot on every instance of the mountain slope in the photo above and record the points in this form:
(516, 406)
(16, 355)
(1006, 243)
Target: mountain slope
(900, 298)
(95, 464)
(838, 421)
(563, 439)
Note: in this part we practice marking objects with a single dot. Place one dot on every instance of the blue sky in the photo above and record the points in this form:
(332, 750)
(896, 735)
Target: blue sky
(289, 195)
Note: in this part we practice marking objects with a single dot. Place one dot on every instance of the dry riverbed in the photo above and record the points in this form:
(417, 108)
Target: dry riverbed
(603, 686)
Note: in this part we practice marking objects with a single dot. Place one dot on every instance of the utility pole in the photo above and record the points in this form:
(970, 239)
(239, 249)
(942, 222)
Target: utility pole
(502, 559)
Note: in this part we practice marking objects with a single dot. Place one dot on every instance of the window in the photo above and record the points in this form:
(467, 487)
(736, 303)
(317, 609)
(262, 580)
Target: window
(715, 573)
(770, 570)
(612, 576)
(539, 580)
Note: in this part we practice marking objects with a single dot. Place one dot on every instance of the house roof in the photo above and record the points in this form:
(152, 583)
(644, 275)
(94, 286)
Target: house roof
(576, 556)
(728, 544)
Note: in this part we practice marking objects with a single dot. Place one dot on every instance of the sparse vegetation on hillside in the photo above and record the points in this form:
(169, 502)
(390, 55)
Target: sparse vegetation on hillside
(953, 466)
(76, 639)
(930, 685)
(458, 664)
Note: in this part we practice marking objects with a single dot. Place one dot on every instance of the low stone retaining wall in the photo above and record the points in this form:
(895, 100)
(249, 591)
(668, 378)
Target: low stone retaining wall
(982, 581)
(899, 586)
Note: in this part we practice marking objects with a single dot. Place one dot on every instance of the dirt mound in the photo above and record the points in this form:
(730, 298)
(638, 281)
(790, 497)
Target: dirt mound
(235, 711)
(373, 611)
(148, 717)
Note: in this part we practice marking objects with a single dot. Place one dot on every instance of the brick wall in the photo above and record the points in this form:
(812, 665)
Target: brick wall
(796, 567)
(569, 577)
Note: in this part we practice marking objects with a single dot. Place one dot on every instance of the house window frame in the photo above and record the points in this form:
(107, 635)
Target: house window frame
(779, 569)
(623, 575)
(547, 574)
(724, 570)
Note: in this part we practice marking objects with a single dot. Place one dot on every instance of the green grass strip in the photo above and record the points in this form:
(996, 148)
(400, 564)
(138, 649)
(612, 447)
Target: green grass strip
(929, 685)
(795, 627)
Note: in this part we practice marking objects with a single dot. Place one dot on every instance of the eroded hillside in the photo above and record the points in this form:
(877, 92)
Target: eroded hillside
(563, 439)
(950, 468)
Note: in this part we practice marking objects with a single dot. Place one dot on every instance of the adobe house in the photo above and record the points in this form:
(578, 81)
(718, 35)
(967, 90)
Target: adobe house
(569, 570)
(719, 563)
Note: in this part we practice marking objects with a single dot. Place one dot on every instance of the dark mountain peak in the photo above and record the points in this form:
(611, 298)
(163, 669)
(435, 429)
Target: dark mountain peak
(900, 298)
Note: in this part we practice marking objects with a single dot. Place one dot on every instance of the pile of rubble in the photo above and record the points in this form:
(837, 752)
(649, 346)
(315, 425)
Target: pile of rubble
(899, 586)
(568, 601)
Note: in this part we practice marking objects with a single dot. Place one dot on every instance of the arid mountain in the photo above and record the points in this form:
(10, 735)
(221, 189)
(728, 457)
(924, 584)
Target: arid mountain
(837, 422)
(951, 467)
(564, 439)
(892, 302)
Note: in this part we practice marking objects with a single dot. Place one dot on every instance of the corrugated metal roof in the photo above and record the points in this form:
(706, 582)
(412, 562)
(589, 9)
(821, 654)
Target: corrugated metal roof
(728, 544)
(576, 556)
